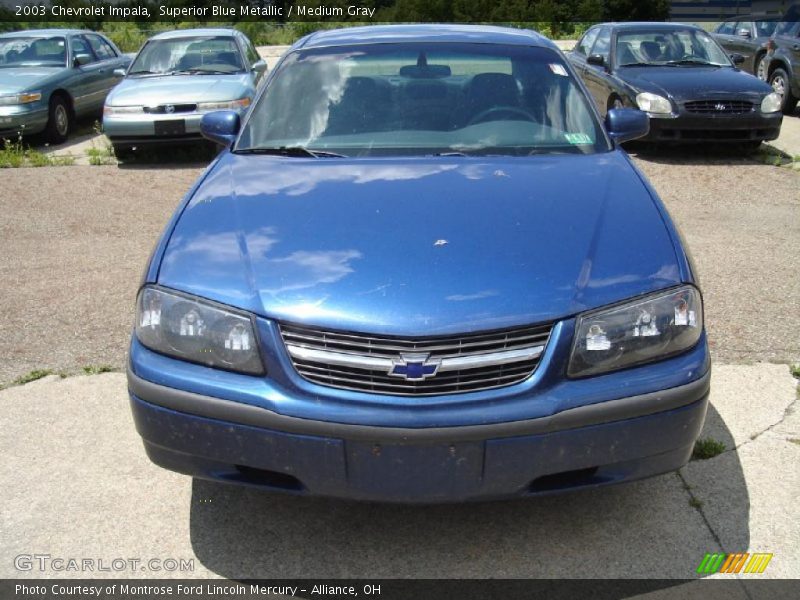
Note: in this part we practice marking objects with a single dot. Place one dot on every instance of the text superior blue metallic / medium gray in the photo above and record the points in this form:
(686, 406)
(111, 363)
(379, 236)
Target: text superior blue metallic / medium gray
(176, 78)
(424, 271)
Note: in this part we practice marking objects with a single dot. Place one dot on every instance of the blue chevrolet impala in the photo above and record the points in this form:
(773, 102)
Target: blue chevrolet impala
(422, 271)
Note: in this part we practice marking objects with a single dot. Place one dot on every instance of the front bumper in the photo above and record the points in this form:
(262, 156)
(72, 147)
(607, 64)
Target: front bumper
(22, 120)
(688, 127)
(140, 129)
(587, 446)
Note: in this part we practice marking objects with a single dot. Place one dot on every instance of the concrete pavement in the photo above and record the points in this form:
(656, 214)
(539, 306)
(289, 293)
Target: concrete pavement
(77, 484)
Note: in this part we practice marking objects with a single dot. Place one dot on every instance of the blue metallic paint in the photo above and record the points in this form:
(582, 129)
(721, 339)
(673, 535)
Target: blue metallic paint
(350, 244)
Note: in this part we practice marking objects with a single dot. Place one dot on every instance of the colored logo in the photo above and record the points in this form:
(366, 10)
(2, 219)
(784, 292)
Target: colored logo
(414, 367)
(737, 562)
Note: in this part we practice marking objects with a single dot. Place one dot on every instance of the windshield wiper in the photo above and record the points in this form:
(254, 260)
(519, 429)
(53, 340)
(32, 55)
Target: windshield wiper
(691, 61)
(203, 72)
(638, 64)
(291, 151)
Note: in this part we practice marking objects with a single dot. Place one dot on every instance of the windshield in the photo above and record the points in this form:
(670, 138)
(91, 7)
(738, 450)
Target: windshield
(33, 51)
(422, 99)
(664, 47)
(201, 55)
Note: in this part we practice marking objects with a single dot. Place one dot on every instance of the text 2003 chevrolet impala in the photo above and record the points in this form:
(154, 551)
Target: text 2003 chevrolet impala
(423, 271)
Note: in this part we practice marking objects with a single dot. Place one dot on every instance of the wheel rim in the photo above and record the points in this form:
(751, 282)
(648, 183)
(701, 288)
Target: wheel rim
(760, 71)
(618, 103)
(61, 119)
(779, 85)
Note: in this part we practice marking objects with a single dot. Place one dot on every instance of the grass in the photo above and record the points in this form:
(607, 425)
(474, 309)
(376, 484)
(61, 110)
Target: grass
(795, 370)
(706, 448)
(695, 503)
(97, 369)
(15, 154)
(101, 156)
(32, 376)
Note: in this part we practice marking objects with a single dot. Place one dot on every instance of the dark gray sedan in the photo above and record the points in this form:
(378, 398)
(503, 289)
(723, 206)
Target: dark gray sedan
(747, 35)
(50, 77)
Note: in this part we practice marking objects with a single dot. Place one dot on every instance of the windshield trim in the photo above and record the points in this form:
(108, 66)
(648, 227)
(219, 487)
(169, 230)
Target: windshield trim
(604, 143)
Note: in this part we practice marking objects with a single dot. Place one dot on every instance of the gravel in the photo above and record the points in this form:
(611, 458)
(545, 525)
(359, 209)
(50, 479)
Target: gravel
(74, 242)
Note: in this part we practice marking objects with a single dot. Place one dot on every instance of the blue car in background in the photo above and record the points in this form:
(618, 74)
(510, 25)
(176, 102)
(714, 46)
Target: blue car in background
(51, 77)
(176, 78)
(423, 270)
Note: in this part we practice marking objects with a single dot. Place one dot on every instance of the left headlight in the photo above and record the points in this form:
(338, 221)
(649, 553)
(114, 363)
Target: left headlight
(654, 105)
(16, 99)
(644, 330)
(239, 104)
(197, 330)
(771, 103)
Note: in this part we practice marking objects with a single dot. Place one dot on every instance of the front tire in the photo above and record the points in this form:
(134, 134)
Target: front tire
(59, 121)
(760, 70)
(780, 82)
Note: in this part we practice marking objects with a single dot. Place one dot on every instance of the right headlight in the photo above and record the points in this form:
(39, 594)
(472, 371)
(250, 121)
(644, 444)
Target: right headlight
(654, 104)
(771, 103)
(640, 331)
(122, 110)
(197, 330)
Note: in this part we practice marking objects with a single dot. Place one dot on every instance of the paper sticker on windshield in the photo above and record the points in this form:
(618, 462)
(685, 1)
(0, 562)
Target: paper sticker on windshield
(558, 69)
(578, 138)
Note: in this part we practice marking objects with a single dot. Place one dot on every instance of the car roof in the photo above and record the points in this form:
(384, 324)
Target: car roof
(44, 32)
(203, 31)
(754, 17)
(650, 26)
(485, 34)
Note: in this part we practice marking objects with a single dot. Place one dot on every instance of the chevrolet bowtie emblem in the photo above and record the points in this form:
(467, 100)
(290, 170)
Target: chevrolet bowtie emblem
(414, 366)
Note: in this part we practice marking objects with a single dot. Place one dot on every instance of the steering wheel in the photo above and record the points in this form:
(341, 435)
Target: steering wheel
(481, 116)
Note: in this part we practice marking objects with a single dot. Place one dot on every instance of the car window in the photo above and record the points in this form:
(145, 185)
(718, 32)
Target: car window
(587, 41)
(765, 28)
(603, 43)
(252, 55)
(670, 47)
(743, 25)
(418, 99)
(101, 48)
(81, 46)
(38, 51)
(727, 28)
(196, 54)
(788, 28)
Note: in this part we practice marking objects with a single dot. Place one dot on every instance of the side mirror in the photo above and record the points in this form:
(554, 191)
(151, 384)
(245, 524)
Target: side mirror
(81, 59)
(221, 126)
(737, 59)
(120, 72)
(597, 60)
(626, 124)
(745, 33)
(259, 66)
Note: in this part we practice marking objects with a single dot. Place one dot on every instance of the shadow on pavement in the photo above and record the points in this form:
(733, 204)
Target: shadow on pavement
(708, 154)
(642, 529)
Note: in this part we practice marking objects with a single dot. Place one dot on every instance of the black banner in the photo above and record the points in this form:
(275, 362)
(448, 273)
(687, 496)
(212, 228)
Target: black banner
(391, 589)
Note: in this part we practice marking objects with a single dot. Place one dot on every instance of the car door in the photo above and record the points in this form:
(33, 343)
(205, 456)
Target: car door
(84, 80)
(108, 60)
(581, 51)
(744, 43)
(597, 77)
(726, 35)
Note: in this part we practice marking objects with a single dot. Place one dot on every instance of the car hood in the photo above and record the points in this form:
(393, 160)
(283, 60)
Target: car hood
(696, 83)
(420, 246)
(176, 89)
(14, 80)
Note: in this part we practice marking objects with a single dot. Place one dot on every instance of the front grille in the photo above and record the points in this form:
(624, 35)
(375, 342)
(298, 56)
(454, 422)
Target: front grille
(164, 109)
(719, 107)
(479, 346)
